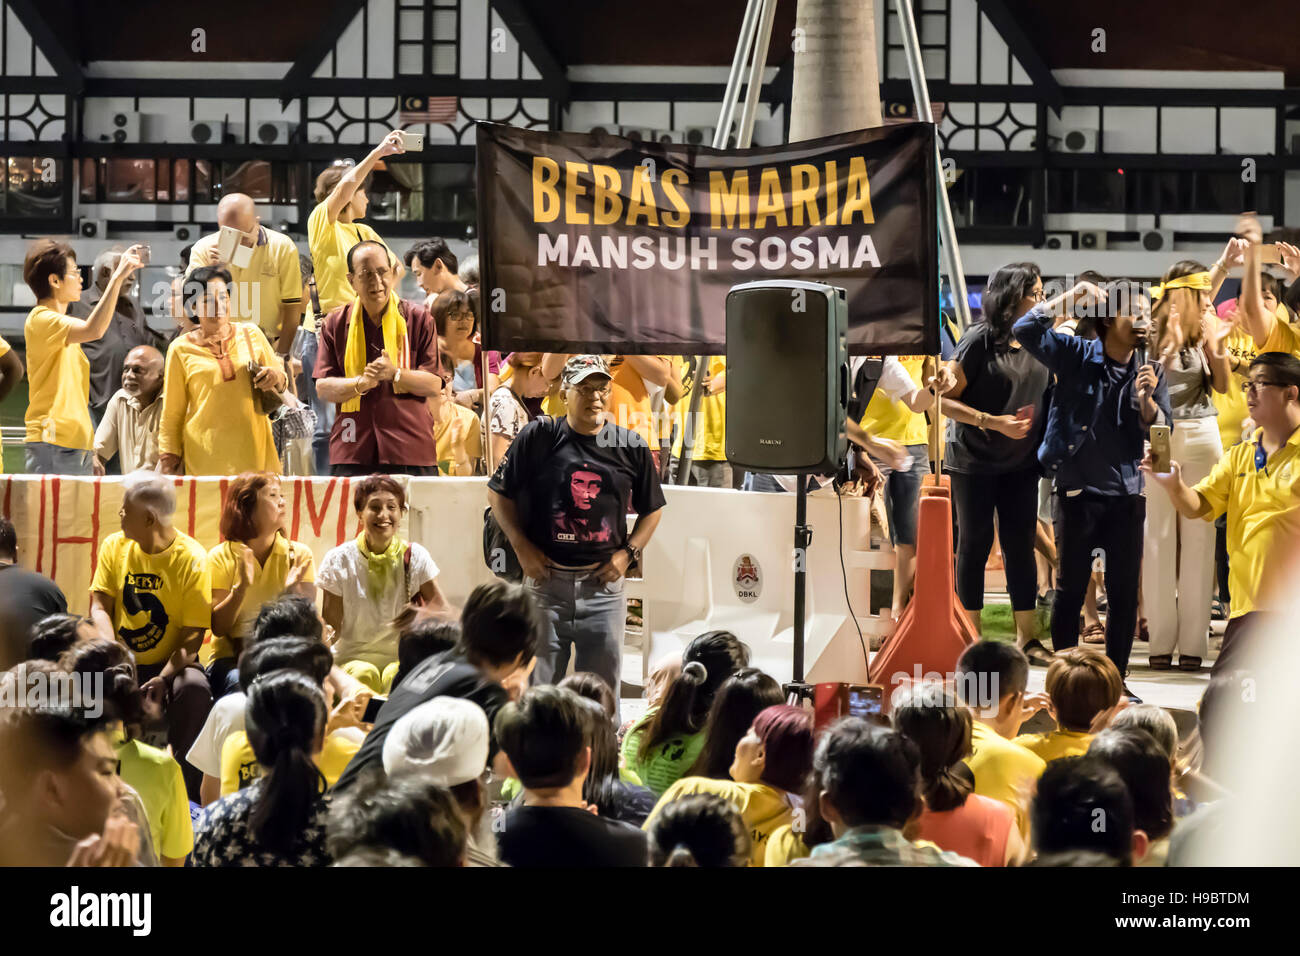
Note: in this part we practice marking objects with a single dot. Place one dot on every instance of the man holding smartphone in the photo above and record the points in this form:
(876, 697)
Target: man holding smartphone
(267, 282)
(1102, 406)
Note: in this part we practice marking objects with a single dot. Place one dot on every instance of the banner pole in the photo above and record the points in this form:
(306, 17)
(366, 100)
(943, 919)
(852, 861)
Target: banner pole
(947, 228)
(745, 134)
(749, 25)
(484, 422)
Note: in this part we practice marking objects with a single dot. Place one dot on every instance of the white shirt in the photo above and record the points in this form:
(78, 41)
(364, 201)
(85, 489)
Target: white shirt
(367, 633)
(225, 718)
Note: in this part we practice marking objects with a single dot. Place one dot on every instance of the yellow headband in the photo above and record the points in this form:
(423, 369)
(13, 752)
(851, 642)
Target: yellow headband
(1197, 280)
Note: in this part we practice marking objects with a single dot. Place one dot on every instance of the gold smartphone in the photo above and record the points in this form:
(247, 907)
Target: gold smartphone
(1160, 453)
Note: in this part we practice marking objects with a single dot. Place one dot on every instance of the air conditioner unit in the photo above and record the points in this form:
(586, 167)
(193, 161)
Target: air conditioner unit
(1157, 240)
(666, 136)
(274, 132)
(1078, 140)
(208, 132)
(126, 128)
(1059, 240)
(638, 134)
(186, 231)
(698, 135)
(92, 228)
(1092, 239)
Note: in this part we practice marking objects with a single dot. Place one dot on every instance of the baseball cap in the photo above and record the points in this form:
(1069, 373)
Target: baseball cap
(444, 741)
(580, 367)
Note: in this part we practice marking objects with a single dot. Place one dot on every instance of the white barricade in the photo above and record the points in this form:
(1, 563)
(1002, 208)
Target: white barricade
(719, 559)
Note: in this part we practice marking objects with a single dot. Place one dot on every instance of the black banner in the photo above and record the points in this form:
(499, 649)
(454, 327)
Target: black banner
(601, 244)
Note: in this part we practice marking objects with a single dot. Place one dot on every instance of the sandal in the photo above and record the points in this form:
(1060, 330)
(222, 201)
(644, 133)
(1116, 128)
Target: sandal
(1143, 632)
(1188, 663)
(1163, 662)
(1093, 634)
(1037, 654)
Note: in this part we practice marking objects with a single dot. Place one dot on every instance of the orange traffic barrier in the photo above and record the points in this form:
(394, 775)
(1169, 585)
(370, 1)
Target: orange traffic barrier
(934, 629)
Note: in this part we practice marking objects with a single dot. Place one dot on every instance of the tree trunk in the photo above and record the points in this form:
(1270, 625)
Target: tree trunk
(836, 77)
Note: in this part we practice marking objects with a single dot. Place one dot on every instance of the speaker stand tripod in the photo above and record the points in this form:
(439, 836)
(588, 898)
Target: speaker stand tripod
(797, 690)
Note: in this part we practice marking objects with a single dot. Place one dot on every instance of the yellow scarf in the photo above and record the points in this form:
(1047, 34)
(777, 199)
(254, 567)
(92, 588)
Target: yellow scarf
(1197, 280)
(354, 351)
(379, 567)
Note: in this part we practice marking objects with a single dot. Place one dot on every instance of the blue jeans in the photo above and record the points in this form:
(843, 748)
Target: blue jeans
(305, 345)
(46, 459)
(585, 614)
(903, 494)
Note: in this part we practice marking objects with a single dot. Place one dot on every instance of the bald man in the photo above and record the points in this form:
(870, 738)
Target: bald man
(151, 591)
(267, 287)
(129, 428)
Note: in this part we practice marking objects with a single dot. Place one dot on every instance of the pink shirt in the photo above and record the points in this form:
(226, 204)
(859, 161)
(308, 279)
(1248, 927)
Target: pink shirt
(977, 830)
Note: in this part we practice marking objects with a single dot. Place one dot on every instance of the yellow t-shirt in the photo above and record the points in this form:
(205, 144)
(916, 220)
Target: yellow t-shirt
(711, 425)
(156, 776)
(1058, 743)
(784, 846)
(209, 420)
(329, 243)
(629, 402)
(5, 349)
(154, 595)
(239, 766)
(458, 436)
(268, 583)
(1241, 345)
(1004, 771)
(763, 808)
(1263, 507)
(272, 277)
(58, 391)
(887, 418)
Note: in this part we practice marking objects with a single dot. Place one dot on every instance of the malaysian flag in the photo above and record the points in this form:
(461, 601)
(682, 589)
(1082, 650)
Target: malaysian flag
(429, 109)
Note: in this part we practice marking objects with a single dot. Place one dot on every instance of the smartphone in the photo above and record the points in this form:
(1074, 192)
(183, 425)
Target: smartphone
(1269, 252)
(227, 242)
(372, 709)
(1160, 454)
(412, 142)
(865, 700)
(145, 254)
(1025, 413)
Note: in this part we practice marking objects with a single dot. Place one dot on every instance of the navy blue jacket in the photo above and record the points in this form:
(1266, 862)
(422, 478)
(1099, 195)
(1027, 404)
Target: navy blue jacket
(1080, 368)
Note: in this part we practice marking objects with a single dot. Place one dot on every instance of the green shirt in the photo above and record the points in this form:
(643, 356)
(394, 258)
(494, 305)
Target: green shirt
(156, 777)
(667, 761)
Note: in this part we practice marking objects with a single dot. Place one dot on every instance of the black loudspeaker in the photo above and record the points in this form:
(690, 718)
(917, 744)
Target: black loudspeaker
(787, 377)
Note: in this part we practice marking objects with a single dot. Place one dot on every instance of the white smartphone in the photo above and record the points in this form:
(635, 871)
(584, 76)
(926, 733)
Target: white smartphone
(227, 242)
(412, 142)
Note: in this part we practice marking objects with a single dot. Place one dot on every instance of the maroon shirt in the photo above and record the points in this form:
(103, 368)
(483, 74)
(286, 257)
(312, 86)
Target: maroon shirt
(389, 429)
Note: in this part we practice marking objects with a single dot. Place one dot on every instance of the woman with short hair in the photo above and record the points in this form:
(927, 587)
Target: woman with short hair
(60, 434)
(211, 421)
(367, 583)
(255, 563)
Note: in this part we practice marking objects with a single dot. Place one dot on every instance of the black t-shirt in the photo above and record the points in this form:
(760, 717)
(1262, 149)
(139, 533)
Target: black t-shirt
(25, 598)
(573, 492)
(568, 837)
(1000, 381)
(444, 675)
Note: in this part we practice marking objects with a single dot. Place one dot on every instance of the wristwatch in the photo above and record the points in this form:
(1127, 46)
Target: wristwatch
(634, 552)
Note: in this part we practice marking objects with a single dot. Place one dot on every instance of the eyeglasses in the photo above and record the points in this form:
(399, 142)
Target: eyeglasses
(1039, 296)
(365, 275)
(594, 391)
(1253, 386)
